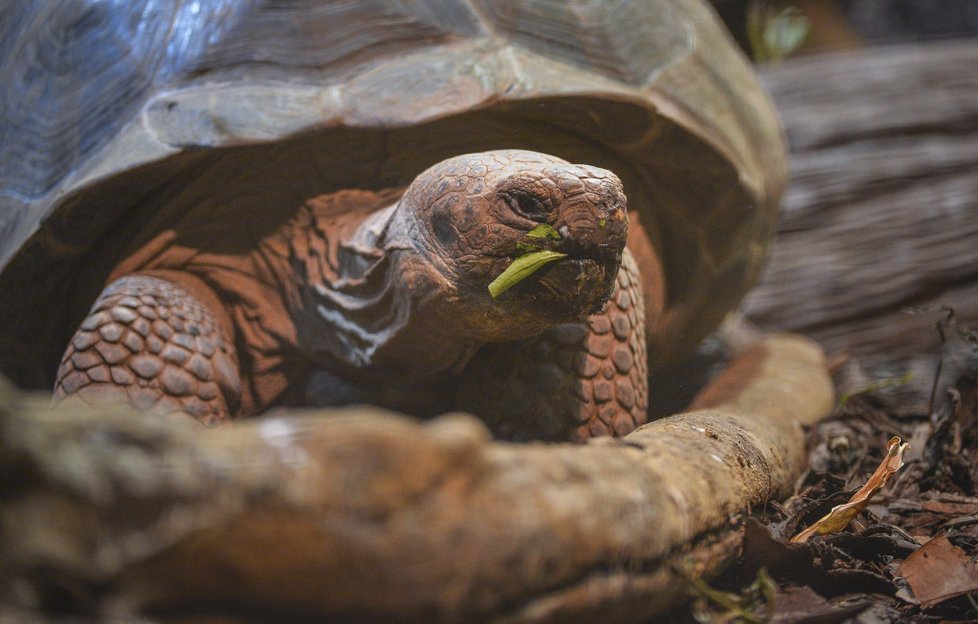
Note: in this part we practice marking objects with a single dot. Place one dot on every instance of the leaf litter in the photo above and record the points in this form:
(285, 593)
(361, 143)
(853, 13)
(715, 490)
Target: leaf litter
(841, 515)
(888, 508)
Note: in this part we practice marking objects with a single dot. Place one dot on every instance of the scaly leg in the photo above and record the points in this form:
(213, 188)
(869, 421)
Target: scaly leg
(575, 381)
(160, 341)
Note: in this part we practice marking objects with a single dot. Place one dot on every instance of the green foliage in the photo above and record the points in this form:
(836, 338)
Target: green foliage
(775, 33)
(876, 386)
(714, 605)
(544, 231)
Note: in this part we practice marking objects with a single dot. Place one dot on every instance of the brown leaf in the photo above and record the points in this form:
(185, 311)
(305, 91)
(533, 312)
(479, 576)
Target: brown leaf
(939, 570)
(955, 509)
(842, 515)
(763, 550)
(801, 605)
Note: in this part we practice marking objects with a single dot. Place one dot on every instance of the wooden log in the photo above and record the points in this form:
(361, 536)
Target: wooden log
(882, 210)
(365, 516)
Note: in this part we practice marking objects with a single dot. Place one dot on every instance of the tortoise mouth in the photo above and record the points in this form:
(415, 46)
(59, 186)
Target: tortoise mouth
(571, 288)
(582, 285)
(581, 264)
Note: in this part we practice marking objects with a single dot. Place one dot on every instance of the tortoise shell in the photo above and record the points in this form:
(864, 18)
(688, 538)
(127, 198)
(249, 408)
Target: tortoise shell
(116, 116)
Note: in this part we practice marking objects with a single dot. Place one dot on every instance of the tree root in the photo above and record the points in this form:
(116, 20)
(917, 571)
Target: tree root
(365, 516)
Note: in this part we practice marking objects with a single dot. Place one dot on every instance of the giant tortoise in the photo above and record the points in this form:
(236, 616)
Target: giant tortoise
(216, 208)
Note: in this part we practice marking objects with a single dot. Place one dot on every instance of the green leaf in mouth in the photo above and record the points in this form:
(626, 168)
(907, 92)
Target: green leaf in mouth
(544, 231)
(522, 268)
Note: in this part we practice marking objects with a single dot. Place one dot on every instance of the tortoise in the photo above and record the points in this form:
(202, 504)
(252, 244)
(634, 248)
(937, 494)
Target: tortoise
(219, 208)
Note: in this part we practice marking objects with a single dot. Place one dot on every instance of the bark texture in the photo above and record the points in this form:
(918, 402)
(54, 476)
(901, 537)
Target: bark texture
(360, 515)
(882, 210)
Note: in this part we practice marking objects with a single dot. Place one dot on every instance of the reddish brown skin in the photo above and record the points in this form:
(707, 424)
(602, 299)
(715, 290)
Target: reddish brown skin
(596, 370)
(157, 344)
(362, 296)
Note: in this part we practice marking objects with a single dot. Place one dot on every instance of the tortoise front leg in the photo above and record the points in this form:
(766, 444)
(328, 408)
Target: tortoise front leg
(575, 381)
(160, 341)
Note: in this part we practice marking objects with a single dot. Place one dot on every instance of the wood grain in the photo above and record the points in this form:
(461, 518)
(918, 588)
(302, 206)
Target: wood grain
(882, 210)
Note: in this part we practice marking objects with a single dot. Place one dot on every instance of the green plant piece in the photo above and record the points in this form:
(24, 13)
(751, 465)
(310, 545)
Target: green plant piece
(526, 247)
(775, 34)
(522, 268)
(876, 386)
(714, 605)
(733, 607)
(602, 223)
(544, 231)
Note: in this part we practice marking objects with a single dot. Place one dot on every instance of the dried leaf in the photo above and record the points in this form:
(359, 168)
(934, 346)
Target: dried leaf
(802, 604)
(938, 571)
(954, 509)
(762, 549)
(522, 268)
(842, 515)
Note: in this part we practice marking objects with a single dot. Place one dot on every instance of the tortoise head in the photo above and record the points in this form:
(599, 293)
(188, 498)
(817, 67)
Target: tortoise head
(475, 215)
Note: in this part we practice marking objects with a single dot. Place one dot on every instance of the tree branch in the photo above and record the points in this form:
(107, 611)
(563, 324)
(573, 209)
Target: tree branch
(361, 515)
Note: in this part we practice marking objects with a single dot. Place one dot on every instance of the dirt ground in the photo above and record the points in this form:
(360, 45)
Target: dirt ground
(909, 555)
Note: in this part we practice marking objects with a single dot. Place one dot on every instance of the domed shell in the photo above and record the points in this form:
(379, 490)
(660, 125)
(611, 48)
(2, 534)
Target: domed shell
(117, 117)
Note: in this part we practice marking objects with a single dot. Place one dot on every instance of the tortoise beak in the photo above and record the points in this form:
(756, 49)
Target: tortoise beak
(590, 231)
(579, 287)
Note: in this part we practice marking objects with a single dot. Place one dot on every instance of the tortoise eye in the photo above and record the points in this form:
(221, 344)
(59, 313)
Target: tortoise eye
(442, 226)
(526, 204)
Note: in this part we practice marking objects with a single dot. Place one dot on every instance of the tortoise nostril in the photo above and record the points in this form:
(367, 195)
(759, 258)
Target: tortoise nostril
(527, 204)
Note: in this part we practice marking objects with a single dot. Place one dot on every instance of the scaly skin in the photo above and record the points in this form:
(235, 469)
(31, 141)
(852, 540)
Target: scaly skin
(575, 381)
(153, 343)
(391, 303)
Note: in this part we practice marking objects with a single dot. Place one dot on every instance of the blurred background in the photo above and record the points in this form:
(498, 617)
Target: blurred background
(877, 251)
(773, 29)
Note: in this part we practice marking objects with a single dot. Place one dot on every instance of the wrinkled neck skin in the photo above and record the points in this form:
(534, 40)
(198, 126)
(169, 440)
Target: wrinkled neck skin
(372, 296)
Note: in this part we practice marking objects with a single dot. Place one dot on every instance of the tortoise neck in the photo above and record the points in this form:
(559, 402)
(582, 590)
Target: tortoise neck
(368, 298)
